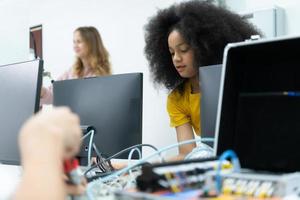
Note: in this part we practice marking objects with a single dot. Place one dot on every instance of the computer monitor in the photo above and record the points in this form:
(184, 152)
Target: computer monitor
(111, 104)
(20, 86)
(209, 77)
(258, 115)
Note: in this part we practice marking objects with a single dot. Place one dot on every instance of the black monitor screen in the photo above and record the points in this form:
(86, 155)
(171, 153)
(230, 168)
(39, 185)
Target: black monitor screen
(260, 110)
(20, 86)
(111, 104)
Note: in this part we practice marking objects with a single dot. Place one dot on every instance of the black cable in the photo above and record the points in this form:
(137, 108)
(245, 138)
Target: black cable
(99, 163)
(90, 169)
(102, 162)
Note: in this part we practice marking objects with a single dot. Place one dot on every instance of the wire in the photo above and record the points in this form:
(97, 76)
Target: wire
(130, 157)
(132, 151)
(124, 170)
(90, 169)
(97, 175)
(86, 135)
(133, 147)
(100, 162)
(236, 166)
(91, 132)
(90, 148)
(96, 150)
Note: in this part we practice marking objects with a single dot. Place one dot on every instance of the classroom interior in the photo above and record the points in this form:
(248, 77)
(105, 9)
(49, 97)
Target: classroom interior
(37, 35)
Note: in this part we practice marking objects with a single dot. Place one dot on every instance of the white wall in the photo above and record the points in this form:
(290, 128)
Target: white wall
(121, 26)
(291, 8)
(14, 31)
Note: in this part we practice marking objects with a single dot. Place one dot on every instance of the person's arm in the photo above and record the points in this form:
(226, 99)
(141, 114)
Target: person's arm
(181, 121)
(42, 178)
(45, 141)
(184, 132)
(47, 93)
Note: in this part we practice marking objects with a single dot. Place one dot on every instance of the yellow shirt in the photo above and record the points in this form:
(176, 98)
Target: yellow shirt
(184, 108)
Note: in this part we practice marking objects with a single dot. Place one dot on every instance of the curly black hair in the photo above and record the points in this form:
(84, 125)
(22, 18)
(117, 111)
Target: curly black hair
(204, 26)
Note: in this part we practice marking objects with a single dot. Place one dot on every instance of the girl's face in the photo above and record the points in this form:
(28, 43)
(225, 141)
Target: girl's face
(182, 55)
(79, 46)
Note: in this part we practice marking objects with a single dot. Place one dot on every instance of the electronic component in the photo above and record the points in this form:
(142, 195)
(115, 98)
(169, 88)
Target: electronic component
(71, 168)
(261, 185)
(74, 173)
(175, 176)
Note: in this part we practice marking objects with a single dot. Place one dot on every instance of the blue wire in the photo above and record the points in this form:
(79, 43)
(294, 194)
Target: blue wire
(236, 167)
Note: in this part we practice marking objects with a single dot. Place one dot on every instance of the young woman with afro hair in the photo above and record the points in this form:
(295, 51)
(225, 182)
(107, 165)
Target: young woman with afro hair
(181, 38)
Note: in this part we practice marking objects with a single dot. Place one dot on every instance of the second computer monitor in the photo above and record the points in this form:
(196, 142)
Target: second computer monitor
(209, 77)
(20, 85)
(112, 104)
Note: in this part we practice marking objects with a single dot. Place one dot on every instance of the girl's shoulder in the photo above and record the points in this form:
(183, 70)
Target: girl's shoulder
(180, 92)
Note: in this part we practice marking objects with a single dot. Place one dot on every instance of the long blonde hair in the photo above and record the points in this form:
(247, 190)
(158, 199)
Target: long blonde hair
(98, 56)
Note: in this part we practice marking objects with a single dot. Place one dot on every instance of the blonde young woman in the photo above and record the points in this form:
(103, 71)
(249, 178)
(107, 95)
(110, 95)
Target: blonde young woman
(92, 59)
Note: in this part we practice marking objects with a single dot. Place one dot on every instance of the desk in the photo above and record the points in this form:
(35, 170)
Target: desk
(10, 176)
